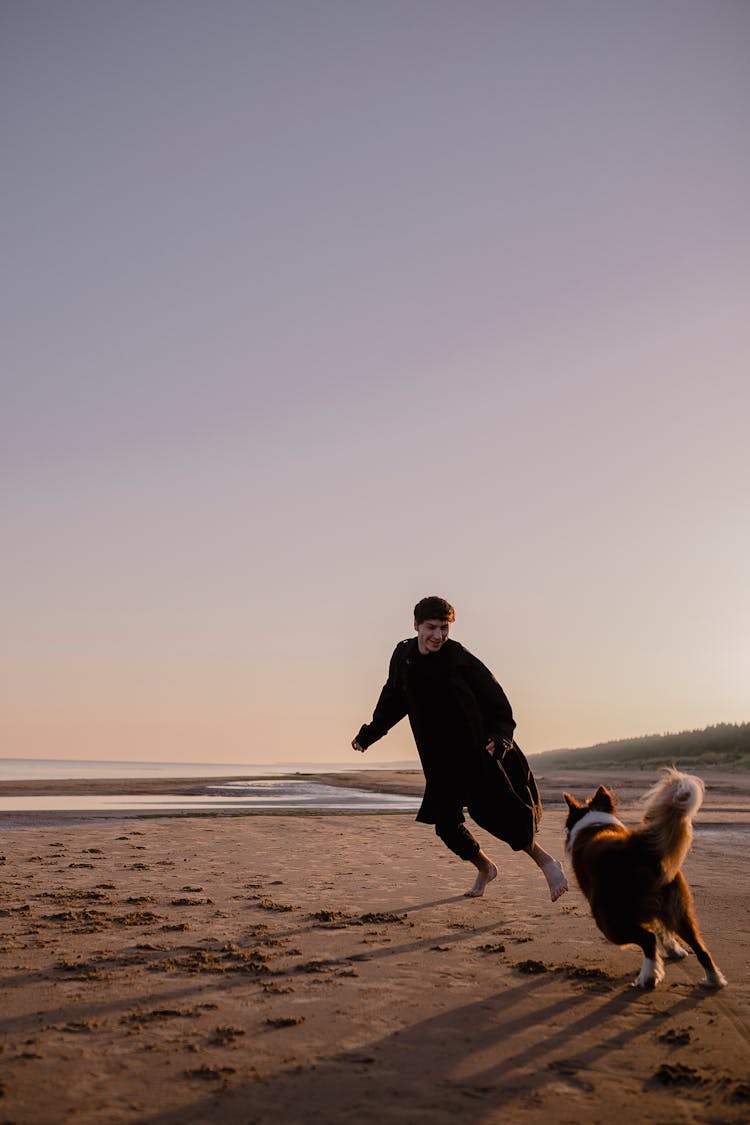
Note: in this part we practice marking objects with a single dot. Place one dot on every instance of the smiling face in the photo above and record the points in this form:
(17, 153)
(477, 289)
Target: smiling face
(431, 635)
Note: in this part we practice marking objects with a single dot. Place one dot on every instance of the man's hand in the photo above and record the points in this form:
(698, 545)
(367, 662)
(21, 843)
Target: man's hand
(500, 751)
(356, 746)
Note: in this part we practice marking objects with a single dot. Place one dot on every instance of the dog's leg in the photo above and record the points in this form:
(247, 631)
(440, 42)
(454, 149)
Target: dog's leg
(626, 932)
(686, 926)
(652, 969)
(673, 951)
(689, 932)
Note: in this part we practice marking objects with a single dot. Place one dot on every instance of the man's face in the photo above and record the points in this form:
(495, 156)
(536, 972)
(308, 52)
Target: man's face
(431, 635)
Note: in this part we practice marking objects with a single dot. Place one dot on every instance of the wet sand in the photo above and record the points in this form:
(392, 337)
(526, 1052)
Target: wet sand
(328, 968)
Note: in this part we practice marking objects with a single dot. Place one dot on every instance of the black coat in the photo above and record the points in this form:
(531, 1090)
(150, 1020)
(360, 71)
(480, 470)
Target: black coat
(462, 772)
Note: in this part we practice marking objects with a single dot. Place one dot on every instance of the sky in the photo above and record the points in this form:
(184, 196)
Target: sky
(310, 308)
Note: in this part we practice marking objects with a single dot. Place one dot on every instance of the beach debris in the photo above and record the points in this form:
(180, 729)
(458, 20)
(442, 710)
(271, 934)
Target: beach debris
(210, 1073)
(585, 972)
(324, 965)
(29, 1053)
(335, 918)
(76, 1027)
(79, 970)
(270, 942)
(90, 969)
(73, 894)
(677, 1038)
(284, 1021)
(677, 1074)
(137, 918)
(374, 919)
(532, 967)
(225, 1035)
(226, 960)
(159, 1014)
(81, 921)
(689, 1077)
(269, 904)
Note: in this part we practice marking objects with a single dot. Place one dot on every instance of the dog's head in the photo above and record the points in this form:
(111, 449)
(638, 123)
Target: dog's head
(602, 801)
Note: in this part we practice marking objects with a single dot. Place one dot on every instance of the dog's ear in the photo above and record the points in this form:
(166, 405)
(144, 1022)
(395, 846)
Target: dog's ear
(571, 801)
(602, 800)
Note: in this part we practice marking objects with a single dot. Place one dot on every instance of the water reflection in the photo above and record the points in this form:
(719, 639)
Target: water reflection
(238, 795)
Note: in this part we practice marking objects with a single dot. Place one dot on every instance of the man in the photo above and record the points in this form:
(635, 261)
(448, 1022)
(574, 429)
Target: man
(463, 726)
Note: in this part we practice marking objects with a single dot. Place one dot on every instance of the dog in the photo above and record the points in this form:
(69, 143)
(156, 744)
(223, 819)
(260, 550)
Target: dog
(632, 878)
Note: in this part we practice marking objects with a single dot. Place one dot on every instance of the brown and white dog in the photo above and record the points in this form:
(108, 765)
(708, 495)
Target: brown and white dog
(632, 877)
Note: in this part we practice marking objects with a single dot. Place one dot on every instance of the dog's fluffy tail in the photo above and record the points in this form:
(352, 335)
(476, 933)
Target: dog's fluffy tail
(668, 818)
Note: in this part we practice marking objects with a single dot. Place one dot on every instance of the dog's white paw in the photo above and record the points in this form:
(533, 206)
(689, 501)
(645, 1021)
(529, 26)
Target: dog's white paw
(673, 950)
(651, 974)
(714, 979)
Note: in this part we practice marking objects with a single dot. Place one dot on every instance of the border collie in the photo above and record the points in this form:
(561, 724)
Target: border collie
(632, 878)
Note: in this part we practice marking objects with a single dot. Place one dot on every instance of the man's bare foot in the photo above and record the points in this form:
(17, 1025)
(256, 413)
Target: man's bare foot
(485, 874)
(555, 876)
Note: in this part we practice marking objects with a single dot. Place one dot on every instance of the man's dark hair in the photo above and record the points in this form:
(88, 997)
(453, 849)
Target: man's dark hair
(433, 609)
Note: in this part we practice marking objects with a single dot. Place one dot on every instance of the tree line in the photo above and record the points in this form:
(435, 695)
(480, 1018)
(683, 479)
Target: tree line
(725, 744)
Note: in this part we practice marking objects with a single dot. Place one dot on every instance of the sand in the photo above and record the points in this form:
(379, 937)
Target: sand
(305, 968)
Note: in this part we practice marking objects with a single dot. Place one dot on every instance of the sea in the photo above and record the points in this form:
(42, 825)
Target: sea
(264, 786)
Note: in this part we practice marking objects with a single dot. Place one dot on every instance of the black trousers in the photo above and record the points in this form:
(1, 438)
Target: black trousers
(451, 829)
(458, 838)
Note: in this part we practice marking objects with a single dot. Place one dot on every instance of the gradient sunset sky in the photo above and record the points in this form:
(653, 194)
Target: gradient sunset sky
(313, 307)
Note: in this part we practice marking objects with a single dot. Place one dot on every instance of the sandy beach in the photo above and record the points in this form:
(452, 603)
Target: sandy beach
(291, 968)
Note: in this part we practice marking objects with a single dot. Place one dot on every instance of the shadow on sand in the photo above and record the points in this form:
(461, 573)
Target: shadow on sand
(505, 1055)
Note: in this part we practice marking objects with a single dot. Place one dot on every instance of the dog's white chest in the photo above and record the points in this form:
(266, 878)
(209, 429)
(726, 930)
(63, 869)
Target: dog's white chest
(589, 820)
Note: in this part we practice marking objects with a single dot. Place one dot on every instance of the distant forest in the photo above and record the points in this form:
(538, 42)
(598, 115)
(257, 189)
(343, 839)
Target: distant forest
(726, 744)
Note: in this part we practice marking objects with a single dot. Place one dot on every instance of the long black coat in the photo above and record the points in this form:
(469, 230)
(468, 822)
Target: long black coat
(505, 785)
